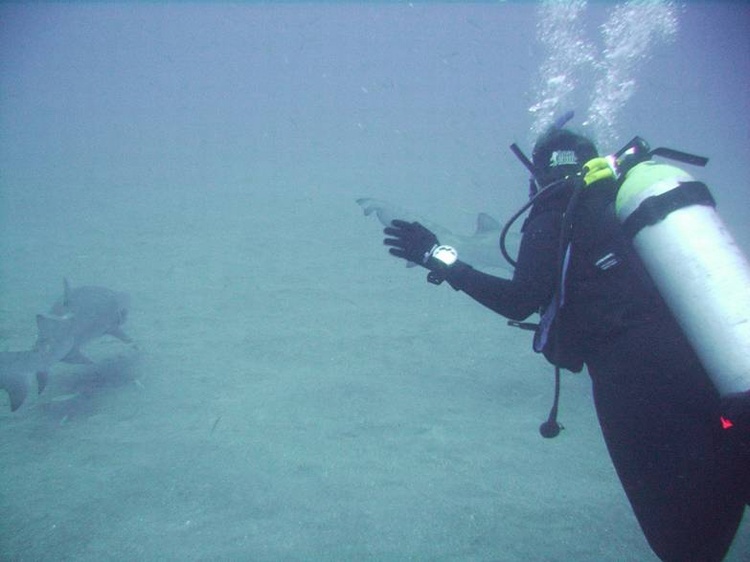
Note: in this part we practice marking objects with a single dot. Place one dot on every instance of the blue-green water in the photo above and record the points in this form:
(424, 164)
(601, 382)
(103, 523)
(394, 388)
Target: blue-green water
(294, 393)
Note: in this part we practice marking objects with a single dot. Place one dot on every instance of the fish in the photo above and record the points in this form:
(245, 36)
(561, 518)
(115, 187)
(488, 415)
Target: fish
(81, 315)
(95, 312)
(15, 369)
(480, 249)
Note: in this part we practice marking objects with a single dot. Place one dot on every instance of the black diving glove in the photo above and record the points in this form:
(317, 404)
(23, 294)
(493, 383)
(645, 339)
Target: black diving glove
(417, 244)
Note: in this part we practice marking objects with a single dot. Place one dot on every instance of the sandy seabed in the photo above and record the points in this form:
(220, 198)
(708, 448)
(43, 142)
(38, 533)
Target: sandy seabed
(293, 393)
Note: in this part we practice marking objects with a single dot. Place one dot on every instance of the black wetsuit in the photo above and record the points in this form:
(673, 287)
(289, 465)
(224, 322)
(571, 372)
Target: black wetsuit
(658, 411)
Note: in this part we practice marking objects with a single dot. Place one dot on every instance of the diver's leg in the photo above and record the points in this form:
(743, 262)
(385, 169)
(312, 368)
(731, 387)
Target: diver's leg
(659, 416)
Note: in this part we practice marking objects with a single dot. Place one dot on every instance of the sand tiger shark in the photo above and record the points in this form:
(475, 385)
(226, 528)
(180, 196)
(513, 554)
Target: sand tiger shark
(81, 315)
(480, 250)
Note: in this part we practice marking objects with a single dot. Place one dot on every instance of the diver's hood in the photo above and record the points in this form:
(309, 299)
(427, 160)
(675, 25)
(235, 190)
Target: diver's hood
(559, 153)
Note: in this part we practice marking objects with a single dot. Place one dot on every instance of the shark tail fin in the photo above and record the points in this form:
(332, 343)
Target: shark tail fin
(17, 387)
(486, 223)
(366, 204)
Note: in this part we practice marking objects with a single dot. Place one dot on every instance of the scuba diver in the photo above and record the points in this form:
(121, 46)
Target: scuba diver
(680, 442)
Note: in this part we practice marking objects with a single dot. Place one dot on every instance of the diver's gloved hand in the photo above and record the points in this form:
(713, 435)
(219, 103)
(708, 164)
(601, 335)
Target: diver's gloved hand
(410, 241)
(417, 244)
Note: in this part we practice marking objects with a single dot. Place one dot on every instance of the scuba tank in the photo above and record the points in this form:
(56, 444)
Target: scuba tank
(692, 258)
(696, 265)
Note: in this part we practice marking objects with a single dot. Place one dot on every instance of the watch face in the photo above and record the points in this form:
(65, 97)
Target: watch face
(445, 254)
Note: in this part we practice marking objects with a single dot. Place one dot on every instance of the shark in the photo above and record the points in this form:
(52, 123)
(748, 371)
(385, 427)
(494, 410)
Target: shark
(81, 315)
(481, 249)
(15, 369)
